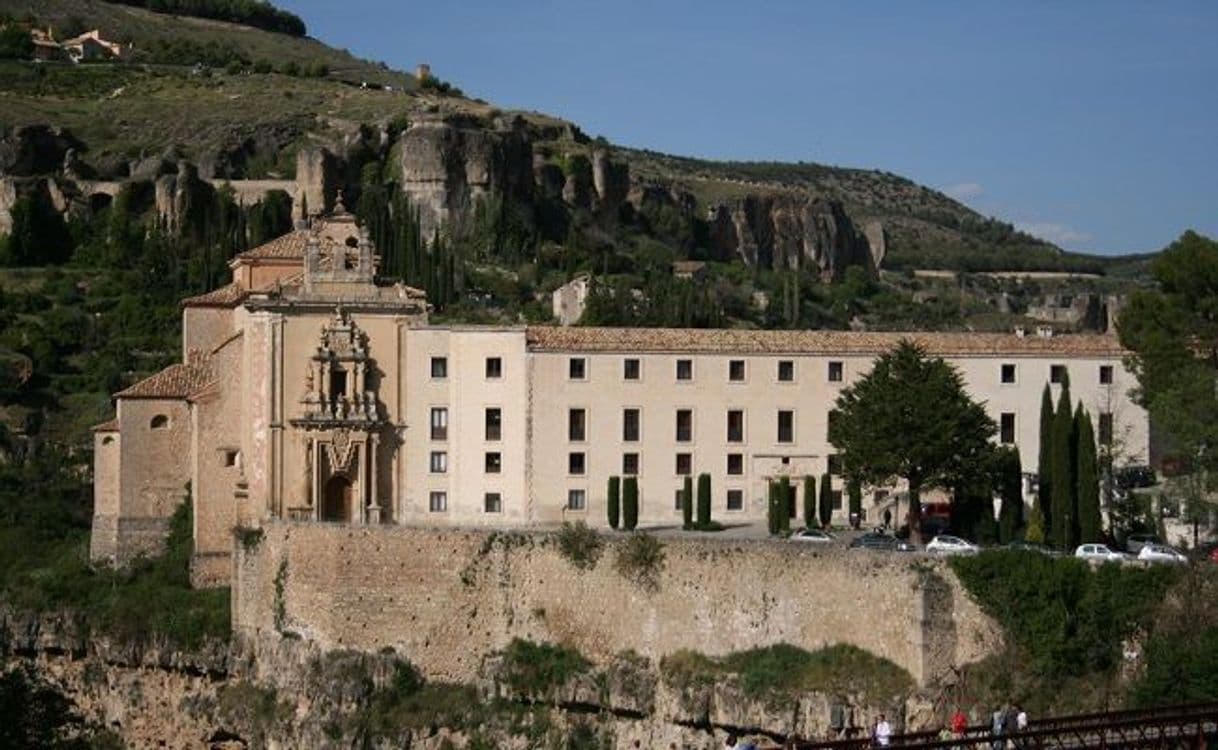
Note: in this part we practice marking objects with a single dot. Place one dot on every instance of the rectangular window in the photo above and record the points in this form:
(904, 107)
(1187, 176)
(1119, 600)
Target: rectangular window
(439, 367)
(735, 464)
(1057, 373)
(1008, 373)
(786, 426)
(494, 423)
(494, 462)
(836, 497)
(577, 500)
(835, 464)
(830, 420)
(735, 499)
(685, 464)
(1105, 426)
(494, 367)
(677, 498)
(575, 463)
(630, 464)
(786, 370)
(735, 426)
(630, 425)
(492, 502)
(230, 457)
(630, 369)
(685, 369)
(1105, 374)
(1006, 431)
(577, 425)
(439, 423)
(577, 368)
(685, 425)
(835, 372)
(437, 502)
(735, 370)
(439, 462)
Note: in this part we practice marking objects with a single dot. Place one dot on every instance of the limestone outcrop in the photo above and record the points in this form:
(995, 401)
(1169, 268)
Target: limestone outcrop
(35, 150)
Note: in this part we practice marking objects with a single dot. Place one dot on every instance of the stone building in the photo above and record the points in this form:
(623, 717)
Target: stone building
(309, 390)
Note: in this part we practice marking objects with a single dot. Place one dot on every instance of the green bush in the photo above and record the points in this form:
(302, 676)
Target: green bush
(579, 544)
(687, 504)
(809, 502)
(630, 503)
(704, 499)
(535, 669)
(614, 502)
(641, 559)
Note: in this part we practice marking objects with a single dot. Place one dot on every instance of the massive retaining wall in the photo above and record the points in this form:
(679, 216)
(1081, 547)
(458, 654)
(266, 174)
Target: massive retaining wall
(446, 598)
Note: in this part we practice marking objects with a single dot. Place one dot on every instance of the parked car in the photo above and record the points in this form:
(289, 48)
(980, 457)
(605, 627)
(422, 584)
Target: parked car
(1160, 553)
(945, 544)
(815, 536)
(1039, 549)
(1131, 477)
(1099, 552)
(872, 540)
(1135, 542)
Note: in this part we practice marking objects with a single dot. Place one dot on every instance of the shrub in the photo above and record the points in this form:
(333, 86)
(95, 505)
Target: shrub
(826, 500)
(641, 559)
(630, 503)
(809, 501)
(531, 668)
(704, 499)
(785, 494)
(614, 502)
(687, 504)
(580, 545)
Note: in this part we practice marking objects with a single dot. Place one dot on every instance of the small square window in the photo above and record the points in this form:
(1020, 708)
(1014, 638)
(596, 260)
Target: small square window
(1007, 428)
(685, 464)
(437, 502)
(494, 423)
(492, 502)
(1105, 374)
(630, 368)
(685, 369)
(230, 457)
(835, 372)
(630, 464)
(786, 370)
(439, 367)
(494, 462)
(577, 500)
(577, 368)
(494, 367)
(630, 425)
(577, 425)
(735, 370)
(735, 499)
(1008, 373)
(1057, 373)
(835, 464)
(439, 462)
(735, 464)
(575, 463)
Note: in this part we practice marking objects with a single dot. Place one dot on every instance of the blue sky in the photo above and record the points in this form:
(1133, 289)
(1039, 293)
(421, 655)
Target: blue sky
(1091, 124)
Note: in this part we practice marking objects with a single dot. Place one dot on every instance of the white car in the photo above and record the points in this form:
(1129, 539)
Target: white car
(951, 545)
(816, 536)
(1160, 553)
(1099, 552)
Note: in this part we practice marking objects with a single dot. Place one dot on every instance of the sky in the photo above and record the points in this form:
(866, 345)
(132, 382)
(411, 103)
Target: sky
(1091, 124)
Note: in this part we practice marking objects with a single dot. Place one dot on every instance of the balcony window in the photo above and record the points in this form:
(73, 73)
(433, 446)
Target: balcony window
(439, 423)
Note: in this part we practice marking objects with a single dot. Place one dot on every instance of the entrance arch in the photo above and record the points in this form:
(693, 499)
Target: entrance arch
(336, 502)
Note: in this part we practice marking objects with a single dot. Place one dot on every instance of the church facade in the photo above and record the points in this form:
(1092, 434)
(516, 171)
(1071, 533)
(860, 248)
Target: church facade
(309, 391)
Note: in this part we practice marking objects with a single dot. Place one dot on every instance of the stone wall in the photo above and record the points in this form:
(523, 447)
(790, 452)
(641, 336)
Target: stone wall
(447, 598)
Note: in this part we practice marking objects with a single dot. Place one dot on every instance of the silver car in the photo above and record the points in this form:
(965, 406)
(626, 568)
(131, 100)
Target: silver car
(1161, 553)
(815, 536)
(1099, 553)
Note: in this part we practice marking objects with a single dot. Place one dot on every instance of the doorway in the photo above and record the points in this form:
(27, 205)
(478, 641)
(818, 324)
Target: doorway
(336, 504)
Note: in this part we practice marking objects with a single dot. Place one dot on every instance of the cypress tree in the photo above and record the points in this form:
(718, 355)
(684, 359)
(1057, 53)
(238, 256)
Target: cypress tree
(614, 503)
(704, 500)
(809, 502)
(687, 504)
(855, 490)
(630, 503)
(1089, 523)
(1061, 528)
(1010, 514)
(826, 500)
(1044, 466)
(785, 493)
(772, 508)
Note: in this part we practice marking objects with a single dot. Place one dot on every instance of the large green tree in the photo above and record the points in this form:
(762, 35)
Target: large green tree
(910, 417)
(1062, 527)
(1010, 489)
(1044, 464)
(1088, 477)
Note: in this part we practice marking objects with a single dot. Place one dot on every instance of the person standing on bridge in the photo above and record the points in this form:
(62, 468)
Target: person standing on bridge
(959, 723)
(1021, 718)
(997, 720)
(881, 734)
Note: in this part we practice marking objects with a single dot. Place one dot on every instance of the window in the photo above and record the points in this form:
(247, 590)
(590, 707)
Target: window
(575, 463)
(630, 425)
(677, 499)
(1006, 431)
(494, 423)
(439, 367)
(835, 372)
(439, 423)
(492, 502)
(1008, 373)
(439, 462)
(735, 370)
(494, 367)
(735, 464)
(231, 457)
(1105, 428)
(685, 425)
(735, 499)
(577, 499)
(630, 464)
(786, 426)
(685, 369)
(685, 464)
(338, 382)
(437, 502)
(835, 464)
(1105, 374)
(630, 368)
(786, 370)
(735, 426)
(494, 462)
(830, 420)
(1057, 373)
(577, 368)
(577, 425)
(159, 422)
(836, 498)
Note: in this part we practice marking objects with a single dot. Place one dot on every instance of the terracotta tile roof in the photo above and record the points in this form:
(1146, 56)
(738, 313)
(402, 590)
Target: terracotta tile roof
(732, 341)
(108, 426)
(176, 381)
(228, 295)
(290, 245)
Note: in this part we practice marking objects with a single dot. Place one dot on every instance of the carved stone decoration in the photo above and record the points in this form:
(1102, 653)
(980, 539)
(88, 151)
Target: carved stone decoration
(336, 380)
(340, 450)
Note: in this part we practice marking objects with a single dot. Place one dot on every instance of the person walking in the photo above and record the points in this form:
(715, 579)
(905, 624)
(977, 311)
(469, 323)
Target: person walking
(996, 722)
(959, 723)
(881, 735)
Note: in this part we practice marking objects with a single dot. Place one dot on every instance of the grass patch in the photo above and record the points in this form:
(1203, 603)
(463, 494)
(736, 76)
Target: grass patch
(580, 545)
(531, 668)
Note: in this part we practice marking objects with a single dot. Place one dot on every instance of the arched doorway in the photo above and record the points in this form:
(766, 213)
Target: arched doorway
(336, 504)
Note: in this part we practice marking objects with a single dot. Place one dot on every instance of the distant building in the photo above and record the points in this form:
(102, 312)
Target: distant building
(689, 269)
(87, 47)
(422, 72)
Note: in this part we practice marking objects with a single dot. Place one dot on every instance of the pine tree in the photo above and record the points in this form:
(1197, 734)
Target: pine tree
(826, 500)
(785, 495)
(1061, 528)
(687, 504)
(614, 501)
(1010, 515)
(1044, 467)
(704, 500)
(809, 502)
(854, 489)
(1089, 520)
(630, 503)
